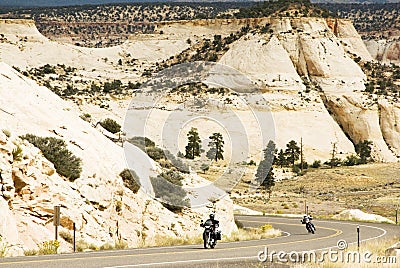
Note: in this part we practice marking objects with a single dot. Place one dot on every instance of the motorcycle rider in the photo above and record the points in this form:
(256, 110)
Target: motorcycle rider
(308, 219)
(214, 223)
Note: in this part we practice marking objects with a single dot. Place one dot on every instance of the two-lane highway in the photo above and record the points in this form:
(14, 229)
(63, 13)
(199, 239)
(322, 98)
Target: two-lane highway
(233, 254)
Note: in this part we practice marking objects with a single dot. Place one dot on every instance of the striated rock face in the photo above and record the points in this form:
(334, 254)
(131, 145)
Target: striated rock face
(253, 56)
(318, 49)
(384, 50)
(348, 36)
(390, 124)
(297, 115)
(359, 118)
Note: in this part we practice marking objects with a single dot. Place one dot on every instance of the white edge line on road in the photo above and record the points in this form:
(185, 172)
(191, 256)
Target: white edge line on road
(176, 262)
(106, 252)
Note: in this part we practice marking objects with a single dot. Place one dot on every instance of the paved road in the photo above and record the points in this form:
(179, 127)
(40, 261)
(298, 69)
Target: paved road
(235, 254)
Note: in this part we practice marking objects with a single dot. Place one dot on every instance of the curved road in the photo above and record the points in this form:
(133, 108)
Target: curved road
(233, 254)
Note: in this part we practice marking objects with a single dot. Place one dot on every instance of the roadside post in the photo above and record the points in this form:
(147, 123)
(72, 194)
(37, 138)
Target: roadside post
(305, 206)
(358, 237)
(56, 220)
(74, 237)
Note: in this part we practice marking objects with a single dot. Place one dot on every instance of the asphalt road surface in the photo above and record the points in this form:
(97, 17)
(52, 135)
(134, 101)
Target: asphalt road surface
(234, 254)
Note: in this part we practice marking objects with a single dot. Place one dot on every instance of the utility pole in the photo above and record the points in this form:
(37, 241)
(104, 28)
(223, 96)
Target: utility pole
(301, 154)
(333, 153)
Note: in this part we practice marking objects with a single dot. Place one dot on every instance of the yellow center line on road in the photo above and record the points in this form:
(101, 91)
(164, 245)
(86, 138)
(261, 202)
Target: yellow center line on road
(295, 224)
(337, 232)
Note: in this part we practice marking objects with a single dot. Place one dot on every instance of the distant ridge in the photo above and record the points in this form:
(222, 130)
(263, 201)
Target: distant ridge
(53, 3)
(44, 3)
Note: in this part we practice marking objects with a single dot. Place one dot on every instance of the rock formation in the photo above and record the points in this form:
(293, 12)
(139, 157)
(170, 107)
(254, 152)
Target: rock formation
(384, 50)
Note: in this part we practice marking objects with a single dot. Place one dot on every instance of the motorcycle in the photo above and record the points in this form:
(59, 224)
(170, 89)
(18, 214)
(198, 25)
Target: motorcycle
(210, 235)
(309, 225)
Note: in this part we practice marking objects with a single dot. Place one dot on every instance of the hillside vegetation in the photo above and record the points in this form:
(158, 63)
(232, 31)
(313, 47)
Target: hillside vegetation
(371, 19)
(297, 8)
(107, 25)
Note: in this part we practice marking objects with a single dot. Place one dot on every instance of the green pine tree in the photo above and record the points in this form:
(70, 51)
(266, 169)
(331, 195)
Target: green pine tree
(265, 174)
(216, 147)
(292, 152)
(193, 148)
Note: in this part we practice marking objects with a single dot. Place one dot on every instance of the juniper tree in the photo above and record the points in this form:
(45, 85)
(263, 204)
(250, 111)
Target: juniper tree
(363, 149)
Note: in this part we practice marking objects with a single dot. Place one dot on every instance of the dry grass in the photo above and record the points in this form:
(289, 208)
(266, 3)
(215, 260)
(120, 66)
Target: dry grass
(30, 252)
(3, 248)
(265, 231)
(373, 188)
(166, 241)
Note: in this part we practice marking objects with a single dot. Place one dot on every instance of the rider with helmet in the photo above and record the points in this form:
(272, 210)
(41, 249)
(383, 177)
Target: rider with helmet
(307, 220)
(214, 224)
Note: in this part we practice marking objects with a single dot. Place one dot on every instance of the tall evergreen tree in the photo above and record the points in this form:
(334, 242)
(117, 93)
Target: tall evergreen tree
(216, 147)
(281, 160)
(265, 174)
(292, 152)
(193, 148)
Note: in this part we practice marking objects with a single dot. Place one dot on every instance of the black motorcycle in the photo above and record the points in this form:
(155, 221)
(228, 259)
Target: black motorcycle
(210, 234)
(309, 225)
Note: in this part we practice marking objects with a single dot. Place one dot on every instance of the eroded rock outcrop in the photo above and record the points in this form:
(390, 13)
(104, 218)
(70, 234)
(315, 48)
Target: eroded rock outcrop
(384, 50)
(390, 124)
(344, 30)
(253, 55)
(359, 118)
